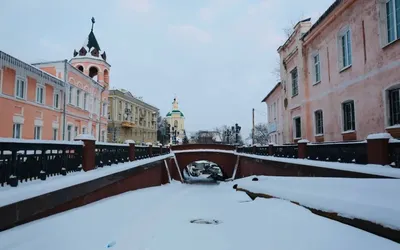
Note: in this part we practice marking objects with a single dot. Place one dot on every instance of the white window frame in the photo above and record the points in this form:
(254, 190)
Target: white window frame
(384, 29)
(294, 127)
(25, 80)
(345, 33)
(316, 133)
(69, 132)
(315, 66)
(57, 93)
(20, 130)
(292, 81)
(55, 132)
(342, 116)
(37, 130)
(85, 100)
(78, 98)
(70, 94)
(43, 87)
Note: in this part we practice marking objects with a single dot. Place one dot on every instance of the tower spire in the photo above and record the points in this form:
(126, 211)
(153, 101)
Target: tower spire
(93, 21)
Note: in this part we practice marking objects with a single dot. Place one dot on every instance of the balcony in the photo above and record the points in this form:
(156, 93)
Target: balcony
(127, 124)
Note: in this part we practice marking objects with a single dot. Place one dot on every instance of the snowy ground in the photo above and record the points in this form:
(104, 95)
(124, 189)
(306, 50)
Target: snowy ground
(374, 200)
(159, 219)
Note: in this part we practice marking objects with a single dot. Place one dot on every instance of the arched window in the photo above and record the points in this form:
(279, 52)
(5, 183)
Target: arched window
(175, 123)
(106, 76)
(80, 67)
(93, 73)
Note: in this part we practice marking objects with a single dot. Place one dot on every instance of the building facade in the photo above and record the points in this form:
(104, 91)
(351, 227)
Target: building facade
(341, 76)
(176, 121)
(31, 101)
(130, 118)
(275, 114)
(86, 96)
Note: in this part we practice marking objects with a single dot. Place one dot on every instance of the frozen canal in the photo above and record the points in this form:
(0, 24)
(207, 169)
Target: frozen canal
(160, 219)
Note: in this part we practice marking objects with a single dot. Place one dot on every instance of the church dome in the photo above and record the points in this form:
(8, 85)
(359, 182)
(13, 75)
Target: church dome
(175, 112)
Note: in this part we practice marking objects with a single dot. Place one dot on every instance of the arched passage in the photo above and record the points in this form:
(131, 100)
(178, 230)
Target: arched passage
(225, 160)
(203, 171)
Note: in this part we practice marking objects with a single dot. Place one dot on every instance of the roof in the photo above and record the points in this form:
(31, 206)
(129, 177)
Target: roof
(291, 36)
(175, 112)
(127, 95)
(323, 17)
(272, 91)
(92, 41)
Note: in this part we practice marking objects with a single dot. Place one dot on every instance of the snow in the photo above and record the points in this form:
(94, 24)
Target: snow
(393, 127)
(13, 140)
(374, 169)
(303, 141)
(26, 190)
(374, 200)
(379, 136)
(203, 150)
(86, 137)
(112, 144)
(129, 142)
(159, 218)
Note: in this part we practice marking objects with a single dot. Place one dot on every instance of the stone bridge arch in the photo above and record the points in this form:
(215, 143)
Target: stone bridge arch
(223, 155)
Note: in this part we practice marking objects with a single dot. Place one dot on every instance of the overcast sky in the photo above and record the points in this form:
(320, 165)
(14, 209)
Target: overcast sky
(215, 55)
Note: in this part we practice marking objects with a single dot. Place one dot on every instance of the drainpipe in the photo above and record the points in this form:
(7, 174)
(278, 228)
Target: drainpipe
(101, 95)
(65, 97)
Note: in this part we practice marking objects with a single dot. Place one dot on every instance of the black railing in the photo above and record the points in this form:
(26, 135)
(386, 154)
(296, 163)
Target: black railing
(262, 150)
(289, 151)
(347, 152)
(141, 152)
(156, 151)
(29, 160)
(108, 154)
(394, 154)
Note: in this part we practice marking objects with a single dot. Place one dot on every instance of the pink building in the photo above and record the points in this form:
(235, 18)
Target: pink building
(275, 114)
(56, 100)
(341, 76)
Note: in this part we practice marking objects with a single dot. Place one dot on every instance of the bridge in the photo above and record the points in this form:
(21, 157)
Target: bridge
(75, 174)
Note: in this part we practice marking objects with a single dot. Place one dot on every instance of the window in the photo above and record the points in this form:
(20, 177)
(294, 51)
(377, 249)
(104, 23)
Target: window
(17, 130)
(69, 133)
(20, 88)
(83, 130)
(319, 122)
(85, 101)
(345, 49)
(393, 20)
(71, 89)
(394, 106)
(76, 130)
(349, 122)
(57, 100)
(37, 135)
(78, 97)
(40, 94)
(297, 127)
(55, 134)
(103, 136)
(317, 69)
(104, 109)
(295, 86)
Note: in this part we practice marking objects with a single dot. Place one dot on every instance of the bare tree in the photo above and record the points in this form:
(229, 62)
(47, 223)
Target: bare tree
(261, 134)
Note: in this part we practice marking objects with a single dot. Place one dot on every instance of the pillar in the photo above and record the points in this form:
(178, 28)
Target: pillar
(150, 150)
(131, 149)
(88, 151)
(302, 149)
(378, 148)
(271, 149)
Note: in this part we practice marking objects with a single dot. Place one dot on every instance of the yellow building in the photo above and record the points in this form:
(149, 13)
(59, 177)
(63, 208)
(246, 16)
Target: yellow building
(176, 120)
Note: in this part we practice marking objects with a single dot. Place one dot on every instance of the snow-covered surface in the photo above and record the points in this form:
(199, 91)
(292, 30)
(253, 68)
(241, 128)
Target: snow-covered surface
(86, 137)
(387, 171)
(303, 141)
(26, 190)
(375, 200)
(112, 144)
(159, 219)
(13, 140)
(337, 143)
(379, 136)
(392, 140)
(129, 142)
